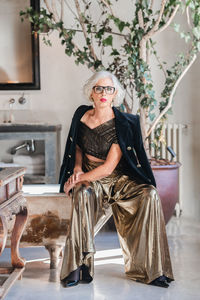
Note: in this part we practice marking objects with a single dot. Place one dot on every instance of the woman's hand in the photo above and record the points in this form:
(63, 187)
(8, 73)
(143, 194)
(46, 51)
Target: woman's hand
(72, 180)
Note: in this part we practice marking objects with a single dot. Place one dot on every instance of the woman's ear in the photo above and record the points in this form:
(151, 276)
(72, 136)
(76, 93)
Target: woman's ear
(114, 95)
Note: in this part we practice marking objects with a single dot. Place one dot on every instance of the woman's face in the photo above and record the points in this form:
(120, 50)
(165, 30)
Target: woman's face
(103, 97)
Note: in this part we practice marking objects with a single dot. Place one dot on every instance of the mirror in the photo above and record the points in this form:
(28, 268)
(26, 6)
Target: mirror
(19, 48)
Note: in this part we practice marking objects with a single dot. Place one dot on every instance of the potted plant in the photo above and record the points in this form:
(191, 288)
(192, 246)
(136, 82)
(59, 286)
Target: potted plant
(125, 47)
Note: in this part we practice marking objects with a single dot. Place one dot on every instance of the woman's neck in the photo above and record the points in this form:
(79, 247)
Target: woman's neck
(103, 114)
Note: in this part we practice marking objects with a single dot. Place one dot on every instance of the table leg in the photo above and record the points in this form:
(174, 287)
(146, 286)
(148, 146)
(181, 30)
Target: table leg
(54, 252)
(3, 233)
(20, 223)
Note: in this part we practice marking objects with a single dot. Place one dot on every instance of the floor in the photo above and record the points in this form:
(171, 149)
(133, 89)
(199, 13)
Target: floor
(110, 282)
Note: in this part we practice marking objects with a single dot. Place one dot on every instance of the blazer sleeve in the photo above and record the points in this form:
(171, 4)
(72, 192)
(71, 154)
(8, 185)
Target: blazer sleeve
(141, 153)
(65, 162)
(65, 156)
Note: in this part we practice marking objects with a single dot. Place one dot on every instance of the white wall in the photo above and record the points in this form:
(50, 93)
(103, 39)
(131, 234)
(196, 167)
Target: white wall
(60, 94)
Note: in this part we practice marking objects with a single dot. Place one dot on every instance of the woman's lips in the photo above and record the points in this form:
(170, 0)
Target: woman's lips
(103, 100)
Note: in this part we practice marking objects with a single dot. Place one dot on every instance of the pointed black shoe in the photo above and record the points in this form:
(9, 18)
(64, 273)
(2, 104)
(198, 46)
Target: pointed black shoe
(68, 283)
(86, 278)
(160, 281)
(72, 279)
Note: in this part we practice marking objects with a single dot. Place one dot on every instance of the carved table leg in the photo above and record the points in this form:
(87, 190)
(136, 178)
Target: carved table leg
(54, 252)
(20, 223)
(3, 233)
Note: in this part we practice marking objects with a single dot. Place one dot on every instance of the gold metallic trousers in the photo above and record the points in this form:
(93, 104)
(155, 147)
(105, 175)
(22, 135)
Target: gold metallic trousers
(138, 219)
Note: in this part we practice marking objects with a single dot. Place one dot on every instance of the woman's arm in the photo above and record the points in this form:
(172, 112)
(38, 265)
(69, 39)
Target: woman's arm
(78, 160)
(78, 166)
(112, 160)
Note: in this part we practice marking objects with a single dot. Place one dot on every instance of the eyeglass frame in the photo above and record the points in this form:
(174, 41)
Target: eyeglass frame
(104, 89)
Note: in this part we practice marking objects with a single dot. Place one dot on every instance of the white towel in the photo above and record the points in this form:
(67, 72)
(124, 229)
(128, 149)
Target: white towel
(35, 168)
(29, 159)
(7, 165)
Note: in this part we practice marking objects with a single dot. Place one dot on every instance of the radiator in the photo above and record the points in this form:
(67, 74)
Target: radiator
(172, 134)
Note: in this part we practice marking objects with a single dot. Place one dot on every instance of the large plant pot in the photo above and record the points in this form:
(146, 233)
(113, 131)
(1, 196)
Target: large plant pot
(167, 180)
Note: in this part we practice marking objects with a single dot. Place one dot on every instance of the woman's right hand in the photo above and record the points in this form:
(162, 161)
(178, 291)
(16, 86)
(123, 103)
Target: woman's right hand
(75, 176)
(72, 180)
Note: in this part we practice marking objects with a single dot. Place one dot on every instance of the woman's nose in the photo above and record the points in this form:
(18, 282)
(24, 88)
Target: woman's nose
(104, 92)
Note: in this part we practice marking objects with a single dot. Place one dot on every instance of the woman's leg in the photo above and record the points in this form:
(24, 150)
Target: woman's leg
(141, 228)
(79, 248)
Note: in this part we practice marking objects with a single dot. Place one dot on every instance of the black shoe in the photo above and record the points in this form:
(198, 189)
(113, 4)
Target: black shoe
(68, 283)
(169, 279)
(160, 281)
(72, 279)
(86, 274)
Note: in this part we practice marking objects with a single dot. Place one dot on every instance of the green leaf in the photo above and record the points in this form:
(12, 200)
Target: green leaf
(108, 41)
(169, 112)
(121, 26)
(152, 116)
(176, 27)
(196, 32)
(198, 46)
(114, 52)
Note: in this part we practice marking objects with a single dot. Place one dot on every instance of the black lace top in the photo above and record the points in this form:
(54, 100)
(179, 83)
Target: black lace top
(97, 141)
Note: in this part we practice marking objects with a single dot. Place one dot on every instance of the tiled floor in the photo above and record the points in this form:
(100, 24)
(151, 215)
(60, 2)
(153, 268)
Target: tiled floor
(110, 282)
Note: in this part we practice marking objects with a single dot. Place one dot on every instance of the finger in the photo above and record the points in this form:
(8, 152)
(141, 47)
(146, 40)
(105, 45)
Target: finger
(68, 190)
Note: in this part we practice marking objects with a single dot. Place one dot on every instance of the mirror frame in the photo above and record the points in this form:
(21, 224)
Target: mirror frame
(35, 84)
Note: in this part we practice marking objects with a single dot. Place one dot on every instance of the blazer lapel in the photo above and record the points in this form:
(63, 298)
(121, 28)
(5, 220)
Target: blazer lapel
(122, 126)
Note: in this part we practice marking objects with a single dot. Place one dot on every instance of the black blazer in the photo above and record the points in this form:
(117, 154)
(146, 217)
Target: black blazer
(130, 141)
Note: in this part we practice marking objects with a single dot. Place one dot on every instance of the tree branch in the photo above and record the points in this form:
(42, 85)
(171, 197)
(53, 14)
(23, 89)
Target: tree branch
(69, 7)
(81, 20)
(151, 4)
(49, 9)
(66, 35)
(147, 36)
(155, 27)
(62, 10)
(108, 6)
(54, 9)
(171, 96)
(188, 16)
(127, 106)
(169, 20)
(110, 32)
(141, 19)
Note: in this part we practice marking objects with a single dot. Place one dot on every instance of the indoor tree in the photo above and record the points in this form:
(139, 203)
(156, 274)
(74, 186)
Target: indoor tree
(97, 37)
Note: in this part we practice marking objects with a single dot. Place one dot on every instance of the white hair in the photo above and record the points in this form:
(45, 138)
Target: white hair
(87, 88)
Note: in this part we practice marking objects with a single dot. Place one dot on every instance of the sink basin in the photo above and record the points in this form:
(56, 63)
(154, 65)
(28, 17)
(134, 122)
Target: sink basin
(24, 127)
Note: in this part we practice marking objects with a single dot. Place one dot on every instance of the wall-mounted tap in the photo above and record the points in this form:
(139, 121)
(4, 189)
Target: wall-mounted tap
(11, 115)
(29, 145)
(22, 99)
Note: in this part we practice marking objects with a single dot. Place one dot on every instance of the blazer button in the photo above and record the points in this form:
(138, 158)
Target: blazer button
(128, 148)
(69, 156)
(71, 139)
(68, 172)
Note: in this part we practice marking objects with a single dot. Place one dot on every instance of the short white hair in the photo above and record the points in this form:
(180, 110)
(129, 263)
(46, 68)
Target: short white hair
(87, 88)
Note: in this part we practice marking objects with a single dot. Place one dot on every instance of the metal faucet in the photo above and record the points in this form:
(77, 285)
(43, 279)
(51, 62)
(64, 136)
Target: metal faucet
(29, 145)
(11, 116)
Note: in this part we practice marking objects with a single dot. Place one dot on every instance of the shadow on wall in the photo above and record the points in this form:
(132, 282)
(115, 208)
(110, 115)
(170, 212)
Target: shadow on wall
(3, 76)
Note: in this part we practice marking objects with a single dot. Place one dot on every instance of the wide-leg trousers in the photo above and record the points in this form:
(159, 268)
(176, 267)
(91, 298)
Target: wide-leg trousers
(138, 218)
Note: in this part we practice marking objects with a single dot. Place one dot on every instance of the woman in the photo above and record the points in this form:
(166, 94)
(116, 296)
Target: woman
(105, 164)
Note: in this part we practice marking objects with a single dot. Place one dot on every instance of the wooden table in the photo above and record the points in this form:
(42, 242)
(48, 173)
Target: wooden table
(12, 205)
